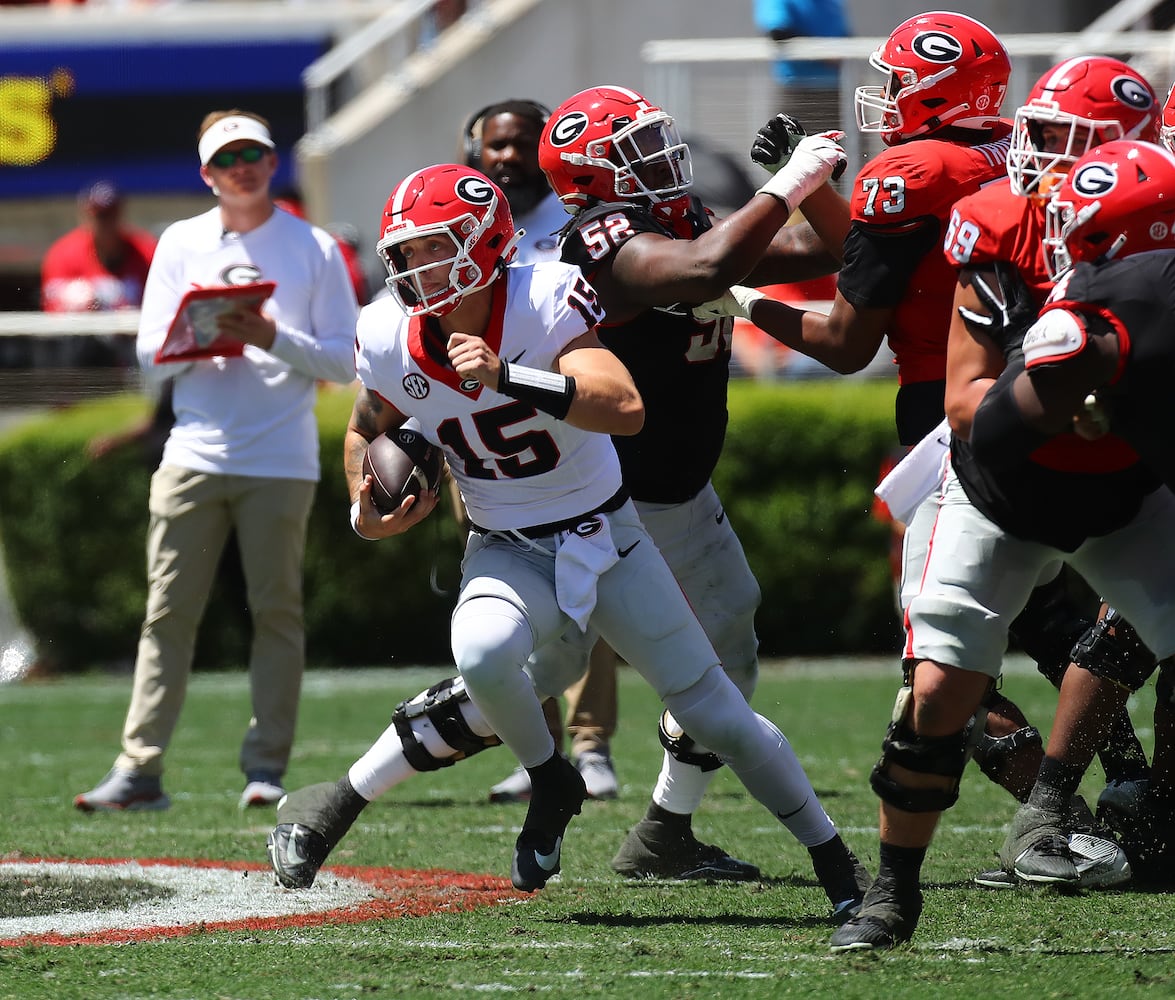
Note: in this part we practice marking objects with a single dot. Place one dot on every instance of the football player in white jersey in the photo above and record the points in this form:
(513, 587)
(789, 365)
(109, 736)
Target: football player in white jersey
(502, 141)
(502, 368)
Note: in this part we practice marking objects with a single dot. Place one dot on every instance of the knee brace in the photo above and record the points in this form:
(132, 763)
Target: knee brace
(1112, 649)
(993, 754)
(1165, 685)
(945, 756)
(681, 747)
(441, 706)
(1049, 625)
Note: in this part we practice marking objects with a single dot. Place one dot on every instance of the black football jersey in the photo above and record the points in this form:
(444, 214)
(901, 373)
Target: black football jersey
(680, 366)
(1137, 296)
(1071, 489)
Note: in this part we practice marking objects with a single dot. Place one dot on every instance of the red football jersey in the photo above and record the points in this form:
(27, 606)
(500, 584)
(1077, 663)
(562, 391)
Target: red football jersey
(996, 224)
(901, 189)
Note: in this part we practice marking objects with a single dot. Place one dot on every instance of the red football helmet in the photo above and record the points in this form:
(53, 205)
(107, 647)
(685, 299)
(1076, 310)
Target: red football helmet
(467, 213)
(1089, 100)
(1118, 199)
(1167, 131)
(942, 69)
(608, 143)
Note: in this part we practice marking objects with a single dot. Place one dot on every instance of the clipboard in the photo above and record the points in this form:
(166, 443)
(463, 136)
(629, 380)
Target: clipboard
(193, 335)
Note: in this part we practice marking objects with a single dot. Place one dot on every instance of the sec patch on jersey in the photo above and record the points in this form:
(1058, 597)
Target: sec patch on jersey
(401, 463)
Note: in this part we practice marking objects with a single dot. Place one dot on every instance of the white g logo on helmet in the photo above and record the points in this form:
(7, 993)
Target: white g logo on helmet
(474, 190)
(1094, 180)
(568, 128)
(1131, 92)
(937, 47)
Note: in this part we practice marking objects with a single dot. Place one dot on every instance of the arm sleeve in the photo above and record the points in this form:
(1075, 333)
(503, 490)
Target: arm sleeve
(878, 263)
(1000, 436)
(327, 350)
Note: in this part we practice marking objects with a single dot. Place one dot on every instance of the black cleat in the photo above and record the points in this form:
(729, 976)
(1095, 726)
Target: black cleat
(886, 919)
(296, 853)
(652, 850)
(537, 852)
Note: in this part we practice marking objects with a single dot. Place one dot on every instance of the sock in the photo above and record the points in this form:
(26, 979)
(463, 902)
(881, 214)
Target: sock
(1056, 784)
(903, 865)
(834, 865)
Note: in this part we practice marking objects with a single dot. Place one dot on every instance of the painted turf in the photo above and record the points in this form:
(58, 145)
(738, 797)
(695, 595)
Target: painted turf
(231, 896)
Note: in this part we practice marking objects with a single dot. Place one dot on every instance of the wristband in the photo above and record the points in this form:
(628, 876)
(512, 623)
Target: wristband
(355, 511)
(547, 391)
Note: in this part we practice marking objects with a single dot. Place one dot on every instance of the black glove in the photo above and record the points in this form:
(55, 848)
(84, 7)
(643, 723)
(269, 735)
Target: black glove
(775, 142)
(1011, 307)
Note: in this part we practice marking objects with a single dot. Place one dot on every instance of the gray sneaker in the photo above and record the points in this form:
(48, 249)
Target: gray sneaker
(652, 851)
(595, 767)
(1037, 848)
(262, 788)
(515, 787)
(124, 791)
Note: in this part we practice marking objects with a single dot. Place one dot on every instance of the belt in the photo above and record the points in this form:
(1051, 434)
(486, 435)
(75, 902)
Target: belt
(614, 502)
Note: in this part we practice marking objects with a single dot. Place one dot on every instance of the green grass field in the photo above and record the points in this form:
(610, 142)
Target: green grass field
(588, 934)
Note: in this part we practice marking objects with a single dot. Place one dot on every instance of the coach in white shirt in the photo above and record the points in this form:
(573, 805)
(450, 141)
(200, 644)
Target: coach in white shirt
(242, 455)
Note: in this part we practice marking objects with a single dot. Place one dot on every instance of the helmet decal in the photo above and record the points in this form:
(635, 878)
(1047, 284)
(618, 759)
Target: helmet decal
(568, 128)
(937, 47)
(1094, 180)
(476, 190)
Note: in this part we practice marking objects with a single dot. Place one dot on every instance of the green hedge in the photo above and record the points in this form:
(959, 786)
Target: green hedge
(796, 479)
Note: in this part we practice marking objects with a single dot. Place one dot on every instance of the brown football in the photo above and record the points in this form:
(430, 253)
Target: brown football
(401, 463)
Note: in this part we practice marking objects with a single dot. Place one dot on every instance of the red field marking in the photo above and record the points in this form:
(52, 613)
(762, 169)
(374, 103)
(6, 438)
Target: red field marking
(398, 893)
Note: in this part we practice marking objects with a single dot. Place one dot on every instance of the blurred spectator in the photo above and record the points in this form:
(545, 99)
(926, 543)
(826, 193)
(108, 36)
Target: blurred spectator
(809, 90)
(100, 265)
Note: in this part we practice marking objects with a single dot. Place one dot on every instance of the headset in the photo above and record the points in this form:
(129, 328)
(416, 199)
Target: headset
(471, 134)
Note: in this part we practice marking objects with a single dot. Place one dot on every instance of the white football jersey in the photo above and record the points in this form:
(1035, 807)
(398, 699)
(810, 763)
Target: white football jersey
(515, 465)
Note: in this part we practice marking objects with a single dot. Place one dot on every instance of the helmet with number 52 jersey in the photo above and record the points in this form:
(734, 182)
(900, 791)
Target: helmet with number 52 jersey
(1078, 104)
(1117, 200)
(609, 144)
(467, 231)
(942, 69)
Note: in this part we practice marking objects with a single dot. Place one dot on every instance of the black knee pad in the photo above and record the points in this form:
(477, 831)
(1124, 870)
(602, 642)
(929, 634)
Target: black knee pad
(945, 756)
(1051, 622)
(1165, 685)
(993, 754)
(1112, 649)
(441, 705)
(680, 746)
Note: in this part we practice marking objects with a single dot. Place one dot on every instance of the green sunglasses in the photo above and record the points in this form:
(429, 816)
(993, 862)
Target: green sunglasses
(227, 157)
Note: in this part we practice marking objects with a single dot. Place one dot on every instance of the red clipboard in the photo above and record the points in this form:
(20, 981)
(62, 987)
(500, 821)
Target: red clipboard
(193, 335)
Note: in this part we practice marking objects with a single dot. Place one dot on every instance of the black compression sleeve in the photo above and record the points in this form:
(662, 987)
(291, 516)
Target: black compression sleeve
(999, 433)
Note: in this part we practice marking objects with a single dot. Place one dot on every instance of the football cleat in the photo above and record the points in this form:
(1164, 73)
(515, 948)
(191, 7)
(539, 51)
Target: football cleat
(310, 822)
(536, 858)
(296, 853)
(887, 918)
(538, 850)
(651, 850)
(1037, 848)
(1100, 864)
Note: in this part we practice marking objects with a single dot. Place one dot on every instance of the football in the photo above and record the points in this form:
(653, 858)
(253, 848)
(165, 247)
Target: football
(401, 463)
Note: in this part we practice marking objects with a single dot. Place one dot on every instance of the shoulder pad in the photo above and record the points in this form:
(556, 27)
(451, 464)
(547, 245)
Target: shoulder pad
(1057, 335)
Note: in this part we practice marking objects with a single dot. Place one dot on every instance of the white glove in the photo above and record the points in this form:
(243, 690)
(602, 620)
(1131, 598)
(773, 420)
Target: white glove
(736, 302)
(815, 159)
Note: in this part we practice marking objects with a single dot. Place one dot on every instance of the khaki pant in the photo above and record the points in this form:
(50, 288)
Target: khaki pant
(192, 514)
